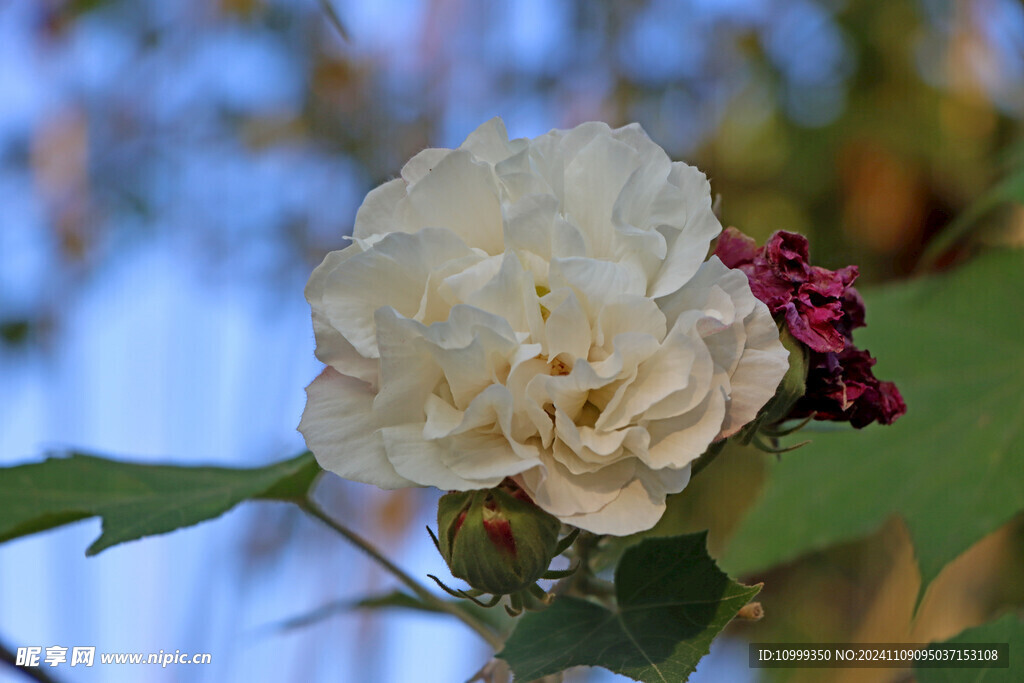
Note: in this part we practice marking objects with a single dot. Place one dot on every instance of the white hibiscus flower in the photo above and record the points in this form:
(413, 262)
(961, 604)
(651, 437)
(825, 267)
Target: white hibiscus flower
(541, 310)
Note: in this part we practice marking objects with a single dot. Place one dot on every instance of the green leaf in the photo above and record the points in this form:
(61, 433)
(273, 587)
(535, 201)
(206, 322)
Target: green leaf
(136, 500)
(1010, 189)
(75, 8)
(951, 467)
(396, 598)
(1009, 629)
(495, 618)
(671, 602)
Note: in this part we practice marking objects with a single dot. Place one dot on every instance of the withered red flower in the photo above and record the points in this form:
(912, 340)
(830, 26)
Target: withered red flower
(812, 299)
(842, 387)
(821, 308)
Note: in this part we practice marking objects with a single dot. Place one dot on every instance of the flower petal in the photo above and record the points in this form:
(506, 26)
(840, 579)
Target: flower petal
(567, 329)
(423, 461)
(380, 212)
(681, 359)
(490, 142)
(636, 314)
(763, 364)
(561, 493)
(331, 346)
(394, 272)
(596, 281)
(678, 441)
(340, 428)
(459, 194)
(423, 163)
(508, 292)
(593, 180)
(473, 349)
(408, 371)
(639, 505)
(688, 245)
(528, 224)
(485, 458)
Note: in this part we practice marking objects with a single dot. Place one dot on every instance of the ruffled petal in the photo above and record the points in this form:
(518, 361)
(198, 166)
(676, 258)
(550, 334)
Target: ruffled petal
(688, 244)
(681, 359)
(757, 375)
(639, 505)
(460, 194)
(596, 281)
(408, 371)
(380, 212)
(423, 461)
(561, 493)
(634, 314)
(567, 330)
(331, 346)
(423, 163)
(394, 272)
(490, 142)
(678, 441)
(593, 180)
(340, 429)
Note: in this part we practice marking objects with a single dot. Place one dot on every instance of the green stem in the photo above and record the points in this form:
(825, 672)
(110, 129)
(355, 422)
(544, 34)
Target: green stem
(415, 586)
(332, 16)
(707, 458)
(584, 582)
(33, 672)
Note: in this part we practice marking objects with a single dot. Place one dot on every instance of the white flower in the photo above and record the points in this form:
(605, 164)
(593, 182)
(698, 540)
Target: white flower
(541, 310)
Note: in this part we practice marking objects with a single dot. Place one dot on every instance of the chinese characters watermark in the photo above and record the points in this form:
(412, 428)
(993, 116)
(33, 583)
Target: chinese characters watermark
(86, 656)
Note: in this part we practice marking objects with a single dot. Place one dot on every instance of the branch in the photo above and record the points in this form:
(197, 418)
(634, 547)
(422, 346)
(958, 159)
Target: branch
(415, 586)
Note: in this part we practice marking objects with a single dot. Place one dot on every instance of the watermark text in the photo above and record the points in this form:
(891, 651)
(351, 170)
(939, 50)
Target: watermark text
(55, 655)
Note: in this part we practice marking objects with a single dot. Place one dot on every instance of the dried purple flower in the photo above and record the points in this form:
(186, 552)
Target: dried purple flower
(821, 308)
(809, 297)
(842, 387)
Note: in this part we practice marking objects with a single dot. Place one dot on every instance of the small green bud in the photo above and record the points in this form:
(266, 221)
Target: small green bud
(495, 540)
(793, 385)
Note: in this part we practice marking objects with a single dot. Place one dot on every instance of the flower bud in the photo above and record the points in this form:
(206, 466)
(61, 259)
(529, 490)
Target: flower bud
(495, 540)
(793, 384)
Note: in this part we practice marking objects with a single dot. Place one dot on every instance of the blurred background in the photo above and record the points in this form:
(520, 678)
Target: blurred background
(171, 172)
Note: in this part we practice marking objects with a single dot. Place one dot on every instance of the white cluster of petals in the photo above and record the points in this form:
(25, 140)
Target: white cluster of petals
(540, 310)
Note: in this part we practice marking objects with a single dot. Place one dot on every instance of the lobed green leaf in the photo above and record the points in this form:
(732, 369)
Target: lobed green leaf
(951, 467)
(398, 599)
(1009, 629)
(671, 601)
(136, 500)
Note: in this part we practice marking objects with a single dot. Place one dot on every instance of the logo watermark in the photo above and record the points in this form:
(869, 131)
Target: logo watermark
(56, 655)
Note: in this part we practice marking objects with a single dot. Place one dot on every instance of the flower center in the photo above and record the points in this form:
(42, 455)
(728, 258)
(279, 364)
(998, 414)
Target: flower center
(541, 291)
(559, 368)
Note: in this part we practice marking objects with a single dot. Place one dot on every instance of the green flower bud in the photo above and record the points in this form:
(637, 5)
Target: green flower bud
(494, 540)
(793, 384)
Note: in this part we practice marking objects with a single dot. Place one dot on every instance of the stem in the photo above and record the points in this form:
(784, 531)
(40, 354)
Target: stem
(415, 586)
(33, 672)
(707, 458)
(332, 16)
(583, 582)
